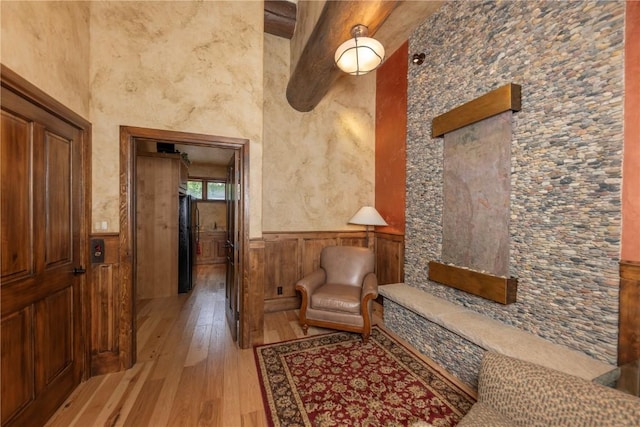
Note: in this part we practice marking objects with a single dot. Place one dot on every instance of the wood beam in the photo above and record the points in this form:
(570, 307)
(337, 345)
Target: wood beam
(280, 18)
(316, 71)
(494, 288)
(495, 102)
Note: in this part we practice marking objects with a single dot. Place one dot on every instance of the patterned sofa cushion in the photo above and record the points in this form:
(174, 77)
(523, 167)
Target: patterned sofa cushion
(526, 394)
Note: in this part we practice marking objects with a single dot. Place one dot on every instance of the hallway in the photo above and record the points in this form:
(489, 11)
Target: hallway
(189, 372)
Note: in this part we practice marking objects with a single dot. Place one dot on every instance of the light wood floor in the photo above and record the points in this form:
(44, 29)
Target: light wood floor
(189, 371)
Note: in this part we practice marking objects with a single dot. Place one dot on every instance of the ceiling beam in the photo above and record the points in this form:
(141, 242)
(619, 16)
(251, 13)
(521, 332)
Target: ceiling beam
(316, 71)
(280, 18)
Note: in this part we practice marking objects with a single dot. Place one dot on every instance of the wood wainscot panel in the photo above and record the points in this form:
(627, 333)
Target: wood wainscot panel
(494, 288)
(105, 308)
(629, 334)
(281, 273)
(389, 258)
(289, 256)
(255, 294)
(389, 249)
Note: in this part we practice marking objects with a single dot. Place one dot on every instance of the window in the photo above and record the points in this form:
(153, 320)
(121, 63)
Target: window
(205, 189)
(194, 189)
(215, 190)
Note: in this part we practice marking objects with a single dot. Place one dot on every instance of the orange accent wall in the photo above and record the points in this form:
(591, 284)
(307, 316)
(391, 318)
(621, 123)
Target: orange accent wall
(391, 136)
(631, 160)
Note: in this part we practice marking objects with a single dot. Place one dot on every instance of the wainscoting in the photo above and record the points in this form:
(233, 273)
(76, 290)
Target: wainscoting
(629, 337)
(291, 256)
(106, 308)
(276, 262)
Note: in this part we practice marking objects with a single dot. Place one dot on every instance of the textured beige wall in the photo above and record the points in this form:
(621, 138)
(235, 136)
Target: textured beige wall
(198, 67)
(207, 171)
(213, 216)
(187, 66)
(47, 43)
(318, 166)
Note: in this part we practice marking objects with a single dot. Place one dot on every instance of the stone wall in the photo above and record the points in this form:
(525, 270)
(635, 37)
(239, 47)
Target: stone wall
(565, 161)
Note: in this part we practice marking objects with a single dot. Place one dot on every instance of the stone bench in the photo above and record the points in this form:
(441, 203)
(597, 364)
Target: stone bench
(490, 334)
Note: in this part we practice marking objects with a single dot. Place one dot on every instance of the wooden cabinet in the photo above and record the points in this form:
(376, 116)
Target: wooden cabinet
(158, 179)
(212, 248)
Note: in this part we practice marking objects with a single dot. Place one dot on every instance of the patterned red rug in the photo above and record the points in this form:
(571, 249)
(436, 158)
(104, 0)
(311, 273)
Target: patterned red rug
(336, 380)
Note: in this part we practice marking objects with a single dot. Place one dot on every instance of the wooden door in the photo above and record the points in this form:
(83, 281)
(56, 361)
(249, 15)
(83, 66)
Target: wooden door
(42, 227)
(231, 286)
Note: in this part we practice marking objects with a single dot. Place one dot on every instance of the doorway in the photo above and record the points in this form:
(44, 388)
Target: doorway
(129, 140)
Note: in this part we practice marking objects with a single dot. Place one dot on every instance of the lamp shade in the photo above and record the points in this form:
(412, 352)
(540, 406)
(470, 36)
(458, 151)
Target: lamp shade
(359, 55)
(367, 215)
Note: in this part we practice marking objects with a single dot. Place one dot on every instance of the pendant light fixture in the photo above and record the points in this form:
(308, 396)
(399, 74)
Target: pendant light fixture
(361, 54)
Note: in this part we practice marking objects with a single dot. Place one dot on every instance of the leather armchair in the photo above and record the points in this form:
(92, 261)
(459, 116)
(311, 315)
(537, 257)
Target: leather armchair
(340, 293)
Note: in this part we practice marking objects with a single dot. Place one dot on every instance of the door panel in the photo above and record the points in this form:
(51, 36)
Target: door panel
(18, 376)
(41, 310)
(16, 216)
(58, 199)
(54, 343)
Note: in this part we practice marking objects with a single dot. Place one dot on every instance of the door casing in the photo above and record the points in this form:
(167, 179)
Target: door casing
(128, 137)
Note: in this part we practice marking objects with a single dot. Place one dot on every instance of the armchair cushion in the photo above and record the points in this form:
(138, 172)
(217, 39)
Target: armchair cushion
(335, 297)
(339, 293)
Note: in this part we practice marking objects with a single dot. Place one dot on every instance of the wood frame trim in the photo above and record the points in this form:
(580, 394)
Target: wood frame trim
(128, 135)
(629, 318)
(497, 101)
(20, 86)
(494, 288)
(305, 322)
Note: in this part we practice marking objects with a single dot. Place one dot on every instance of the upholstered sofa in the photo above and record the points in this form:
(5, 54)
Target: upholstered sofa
(512, 392)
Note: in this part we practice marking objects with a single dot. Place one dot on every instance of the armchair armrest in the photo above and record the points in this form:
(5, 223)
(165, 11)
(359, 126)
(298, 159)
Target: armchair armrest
(370, 287)
(310, 282)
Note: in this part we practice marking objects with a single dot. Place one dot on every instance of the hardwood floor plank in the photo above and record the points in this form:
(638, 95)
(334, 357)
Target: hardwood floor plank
(77, 402)
(144, 405)
(111, 413)
(186, 404)
(88, 414)
(199, 348)
(189, 372)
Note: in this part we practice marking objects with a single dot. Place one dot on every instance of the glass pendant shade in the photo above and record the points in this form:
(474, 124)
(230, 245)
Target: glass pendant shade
(359, 55)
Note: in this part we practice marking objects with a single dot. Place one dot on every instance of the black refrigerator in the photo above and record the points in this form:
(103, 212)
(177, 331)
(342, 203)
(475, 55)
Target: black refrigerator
(186, 255)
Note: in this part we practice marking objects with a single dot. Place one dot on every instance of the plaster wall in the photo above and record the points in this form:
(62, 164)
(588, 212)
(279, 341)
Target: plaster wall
(205, 170)
(319, 167)
(185, 66)
(565, 219)
(631, 167)
(391, 135)
(47, 43)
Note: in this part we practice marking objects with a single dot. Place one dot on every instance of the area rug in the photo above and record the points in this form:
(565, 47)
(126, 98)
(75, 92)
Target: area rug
(337, 380)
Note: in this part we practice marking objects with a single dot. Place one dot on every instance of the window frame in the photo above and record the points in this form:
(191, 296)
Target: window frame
(205, 181)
